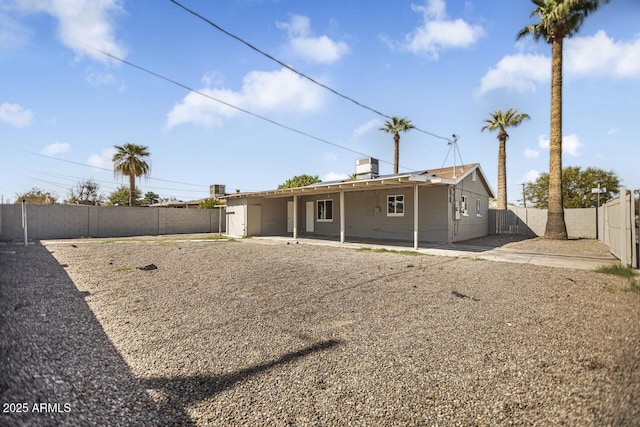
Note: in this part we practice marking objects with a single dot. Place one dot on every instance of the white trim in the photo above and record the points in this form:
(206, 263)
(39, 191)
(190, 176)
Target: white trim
(325, 206)
(395, 196)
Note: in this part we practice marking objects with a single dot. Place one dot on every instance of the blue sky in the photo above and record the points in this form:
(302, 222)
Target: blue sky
(443, 64)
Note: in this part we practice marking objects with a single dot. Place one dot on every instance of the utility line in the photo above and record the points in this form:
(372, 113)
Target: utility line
(251, 46)
(112, 189)
(101, 168)
(258, 116)
(73, 178)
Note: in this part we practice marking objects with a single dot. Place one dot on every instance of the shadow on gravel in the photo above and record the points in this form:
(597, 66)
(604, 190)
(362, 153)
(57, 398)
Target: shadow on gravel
(57, 365)
(182, 391)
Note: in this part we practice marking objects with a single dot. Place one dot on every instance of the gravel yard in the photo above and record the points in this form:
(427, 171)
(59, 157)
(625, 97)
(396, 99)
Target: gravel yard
(268, 333)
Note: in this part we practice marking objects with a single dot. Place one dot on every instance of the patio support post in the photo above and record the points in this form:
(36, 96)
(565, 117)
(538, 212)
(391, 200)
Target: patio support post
(342, 217)
(295, 217)
(415, 217)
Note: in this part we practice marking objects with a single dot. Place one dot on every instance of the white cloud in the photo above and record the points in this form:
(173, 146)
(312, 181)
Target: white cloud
(15, 114)
(103, 160)
(12, 33)
(530, 176)
(613, 131)
(570, 144)
(314, 49)
(56, 148)
(82, 23)
(96, 78)
(531, 154)
(262, 91)
(212, 78)
(520, 72)
(438, 33)
(543, 142)
(597, 55)
(334, 176)
(367, 127)
(601, 55)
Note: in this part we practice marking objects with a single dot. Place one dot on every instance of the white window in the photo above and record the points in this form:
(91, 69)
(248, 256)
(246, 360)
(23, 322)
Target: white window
(395, 205)
(325, 210)
(465, 206)
(478, 208)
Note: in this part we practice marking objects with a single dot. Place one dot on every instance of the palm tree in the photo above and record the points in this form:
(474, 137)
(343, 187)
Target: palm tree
(499, 120)
(395, 126)
(130, 160)
(558, 19)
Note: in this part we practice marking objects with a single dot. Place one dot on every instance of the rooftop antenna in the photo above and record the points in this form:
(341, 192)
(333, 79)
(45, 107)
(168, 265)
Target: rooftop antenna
(453, 145)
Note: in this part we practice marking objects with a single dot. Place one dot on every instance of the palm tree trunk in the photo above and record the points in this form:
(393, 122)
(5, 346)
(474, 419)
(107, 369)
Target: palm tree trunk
(556, 227)
(502, 172)
(396, 152)
(132, 190)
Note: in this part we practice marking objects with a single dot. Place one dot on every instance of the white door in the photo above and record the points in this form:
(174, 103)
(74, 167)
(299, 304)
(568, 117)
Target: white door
(235, 221)
(310, 214)
(289, 217)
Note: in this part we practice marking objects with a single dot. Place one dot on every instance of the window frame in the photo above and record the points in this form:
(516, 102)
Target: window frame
(324, 210)
(478, 208)
(395, 204)
(465, 206)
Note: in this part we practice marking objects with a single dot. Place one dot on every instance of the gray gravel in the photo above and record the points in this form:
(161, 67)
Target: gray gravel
(264, 333)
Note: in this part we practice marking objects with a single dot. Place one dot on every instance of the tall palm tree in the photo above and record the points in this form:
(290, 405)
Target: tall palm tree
(395, 126)
(499, 121)
(130, 160)
(558, 19)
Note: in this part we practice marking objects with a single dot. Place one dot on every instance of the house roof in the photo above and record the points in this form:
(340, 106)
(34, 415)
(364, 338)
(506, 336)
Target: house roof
(429, 177)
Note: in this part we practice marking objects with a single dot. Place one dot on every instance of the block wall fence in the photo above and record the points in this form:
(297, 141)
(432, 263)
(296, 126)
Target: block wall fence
(72, 221)
(613, 224)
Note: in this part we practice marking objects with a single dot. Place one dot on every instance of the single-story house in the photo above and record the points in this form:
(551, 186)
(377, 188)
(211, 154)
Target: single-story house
(438, 205)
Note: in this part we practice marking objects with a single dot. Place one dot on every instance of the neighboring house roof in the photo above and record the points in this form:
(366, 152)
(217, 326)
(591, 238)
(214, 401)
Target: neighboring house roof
(442, 176)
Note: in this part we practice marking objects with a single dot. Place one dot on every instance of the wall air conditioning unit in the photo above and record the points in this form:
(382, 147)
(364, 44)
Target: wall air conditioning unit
(366, 168)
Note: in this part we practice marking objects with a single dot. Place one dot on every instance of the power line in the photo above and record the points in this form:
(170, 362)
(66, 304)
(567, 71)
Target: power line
(258, 116)
(74, 178)
(110, 187)
(251, 46)
(100, 168)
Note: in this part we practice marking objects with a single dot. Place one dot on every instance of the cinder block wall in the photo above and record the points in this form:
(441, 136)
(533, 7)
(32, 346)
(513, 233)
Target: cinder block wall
(581, 223)
(70, 221)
